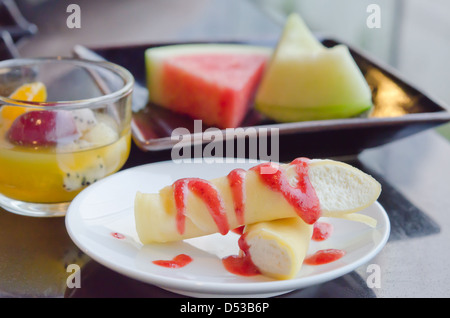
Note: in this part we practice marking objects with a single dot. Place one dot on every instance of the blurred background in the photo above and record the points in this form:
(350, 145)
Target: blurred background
(413, 35)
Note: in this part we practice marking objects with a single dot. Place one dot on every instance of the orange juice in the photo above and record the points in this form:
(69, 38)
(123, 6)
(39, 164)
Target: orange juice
(58, 173)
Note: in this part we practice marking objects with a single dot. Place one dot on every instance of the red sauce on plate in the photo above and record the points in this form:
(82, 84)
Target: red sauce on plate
(118, 235)
(324, 256)
(178, 261)
(241, 264)
(321, 231)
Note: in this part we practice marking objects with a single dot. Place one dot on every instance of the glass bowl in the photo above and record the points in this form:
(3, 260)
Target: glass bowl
(64, 124)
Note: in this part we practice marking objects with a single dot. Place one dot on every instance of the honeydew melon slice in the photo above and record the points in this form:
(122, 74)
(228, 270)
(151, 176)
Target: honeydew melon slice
(308, 81)
(212, 82)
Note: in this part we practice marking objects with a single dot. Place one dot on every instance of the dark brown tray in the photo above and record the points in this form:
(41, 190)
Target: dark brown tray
(400, 110)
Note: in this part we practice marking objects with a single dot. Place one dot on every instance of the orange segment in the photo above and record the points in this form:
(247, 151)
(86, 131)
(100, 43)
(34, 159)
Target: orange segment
(35, 92)
(30, 92)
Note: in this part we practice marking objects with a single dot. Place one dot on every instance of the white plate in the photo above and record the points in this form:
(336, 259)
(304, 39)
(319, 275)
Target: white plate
(106, 207)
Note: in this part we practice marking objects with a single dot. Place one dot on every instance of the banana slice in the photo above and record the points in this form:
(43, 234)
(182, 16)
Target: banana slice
(84, 119)
(303, 188)
(278, 248)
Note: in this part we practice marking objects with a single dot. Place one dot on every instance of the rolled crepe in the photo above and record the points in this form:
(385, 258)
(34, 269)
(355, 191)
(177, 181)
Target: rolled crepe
(277, 248)
(303, 188)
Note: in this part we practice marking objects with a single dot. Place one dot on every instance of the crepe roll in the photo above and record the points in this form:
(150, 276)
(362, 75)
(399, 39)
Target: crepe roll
(304, 188)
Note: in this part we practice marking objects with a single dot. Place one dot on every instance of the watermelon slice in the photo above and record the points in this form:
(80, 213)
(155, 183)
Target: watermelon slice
(212, 82)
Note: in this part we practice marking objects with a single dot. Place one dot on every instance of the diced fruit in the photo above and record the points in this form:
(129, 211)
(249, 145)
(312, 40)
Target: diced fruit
(84, 119)
(212, 82)
(31, 92)
(101, 135)
(84, 174)
(79, 174)
(307, 81)
(110, 150)
(35, 91)
(43, 128)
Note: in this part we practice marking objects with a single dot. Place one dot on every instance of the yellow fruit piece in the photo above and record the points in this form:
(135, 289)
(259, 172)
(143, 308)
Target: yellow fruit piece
(30, 92)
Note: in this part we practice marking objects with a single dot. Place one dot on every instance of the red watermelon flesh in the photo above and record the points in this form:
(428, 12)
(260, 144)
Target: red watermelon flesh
(217, 88)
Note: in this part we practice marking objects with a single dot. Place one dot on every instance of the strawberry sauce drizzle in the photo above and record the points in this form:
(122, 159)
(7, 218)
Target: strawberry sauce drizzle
(241, 264)
(236, 179)
(302, 197)
(321, 231)
(178, 261)
(324, 256)
(118, 236)
(208, 193)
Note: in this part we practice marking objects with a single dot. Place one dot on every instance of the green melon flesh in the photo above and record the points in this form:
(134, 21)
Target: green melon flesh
(307, 81)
